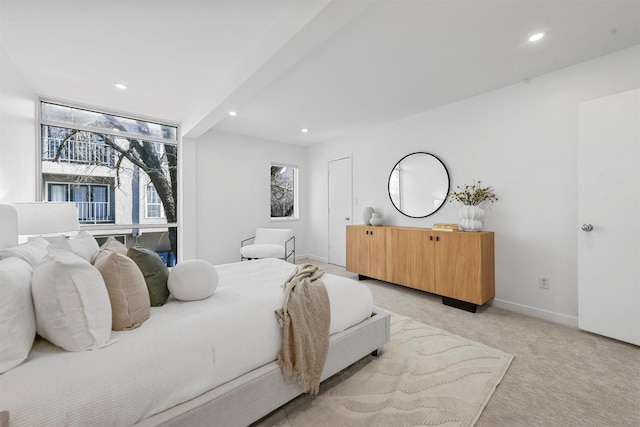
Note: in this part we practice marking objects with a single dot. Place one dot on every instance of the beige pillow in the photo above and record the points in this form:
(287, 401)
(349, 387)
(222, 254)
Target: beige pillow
(111, 245)
(130, 304)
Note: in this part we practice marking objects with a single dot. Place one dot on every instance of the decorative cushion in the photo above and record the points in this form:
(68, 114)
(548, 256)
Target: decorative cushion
(262, 251)
(72, 305)
(130, 304)
(82, 244)
(111, 245)
(155, 273)
(32, 252)
(193, 280)
(17, 318)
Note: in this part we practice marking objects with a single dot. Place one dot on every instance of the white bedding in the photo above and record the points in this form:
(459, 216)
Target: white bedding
(182, 351)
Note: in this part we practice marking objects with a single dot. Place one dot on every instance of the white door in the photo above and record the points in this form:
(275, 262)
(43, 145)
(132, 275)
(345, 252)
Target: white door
(609, 203)
(340, 209)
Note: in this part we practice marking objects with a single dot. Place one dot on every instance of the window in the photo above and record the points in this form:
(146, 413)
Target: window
(154, 204)
(120, 171)
(284, 191)
(93, 201)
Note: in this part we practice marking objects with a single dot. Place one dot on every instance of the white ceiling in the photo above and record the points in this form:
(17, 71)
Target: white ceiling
(332, 66)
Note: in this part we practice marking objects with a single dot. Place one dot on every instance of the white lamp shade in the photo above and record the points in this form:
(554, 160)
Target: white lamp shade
(8, 226)
(46, 217)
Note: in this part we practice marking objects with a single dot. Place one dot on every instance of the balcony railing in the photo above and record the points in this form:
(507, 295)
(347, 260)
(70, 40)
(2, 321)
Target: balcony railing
(78, 152)
(94, 212)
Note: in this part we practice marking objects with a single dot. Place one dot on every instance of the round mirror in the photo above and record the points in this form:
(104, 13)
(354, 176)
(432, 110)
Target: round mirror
(418, 184)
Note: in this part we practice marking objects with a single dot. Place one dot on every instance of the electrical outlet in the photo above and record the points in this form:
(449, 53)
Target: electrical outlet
(543, 282)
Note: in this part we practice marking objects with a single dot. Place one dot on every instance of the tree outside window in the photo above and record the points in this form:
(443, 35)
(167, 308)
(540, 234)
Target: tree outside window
(104, 162)
(284, 191)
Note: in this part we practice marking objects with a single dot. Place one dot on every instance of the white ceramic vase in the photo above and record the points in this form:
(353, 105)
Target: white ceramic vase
(366, 215)
(376, 219)
(471, 218)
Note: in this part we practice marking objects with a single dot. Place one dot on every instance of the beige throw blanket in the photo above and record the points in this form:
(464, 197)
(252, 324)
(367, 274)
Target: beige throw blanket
(305, 318)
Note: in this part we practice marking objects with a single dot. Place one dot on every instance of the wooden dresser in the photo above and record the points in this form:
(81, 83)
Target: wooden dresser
(457, 265)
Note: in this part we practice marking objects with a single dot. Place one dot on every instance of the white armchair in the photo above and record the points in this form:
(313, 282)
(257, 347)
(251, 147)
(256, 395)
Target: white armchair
(269, 243)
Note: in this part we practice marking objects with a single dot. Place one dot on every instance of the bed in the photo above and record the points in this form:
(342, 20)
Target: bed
(207, 362)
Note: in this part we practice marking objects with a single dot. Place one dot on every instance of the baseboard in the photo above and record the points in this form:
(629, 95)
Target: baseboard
(317, 258)
(539, 313)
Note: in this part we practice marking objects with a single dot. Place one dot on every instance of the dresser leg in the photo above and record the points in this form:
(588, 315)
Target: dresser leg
(462, 305)
(361, 277)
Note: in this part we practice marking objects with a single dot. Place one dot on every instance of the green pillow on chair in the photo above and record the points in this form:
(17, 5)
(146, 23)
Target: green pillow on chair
(155, 273)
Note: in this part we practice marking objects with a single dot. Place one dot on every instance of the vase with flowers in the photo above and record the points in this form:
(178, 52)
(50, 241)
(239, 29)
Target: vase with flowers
(472, 196)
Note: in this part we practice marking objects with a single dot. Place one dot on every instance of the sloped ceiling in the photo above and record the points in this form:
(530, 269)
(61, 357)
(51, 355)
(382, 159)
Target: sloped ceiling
(334, 67)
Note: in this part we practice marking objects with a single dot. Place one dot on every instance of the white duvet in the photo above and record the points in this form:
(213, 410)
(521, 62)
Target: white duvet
(182, 351)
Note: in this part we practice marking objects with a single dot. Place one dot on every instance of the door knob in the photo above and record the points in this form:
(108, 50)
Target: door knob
(347, 219)
(587, 227)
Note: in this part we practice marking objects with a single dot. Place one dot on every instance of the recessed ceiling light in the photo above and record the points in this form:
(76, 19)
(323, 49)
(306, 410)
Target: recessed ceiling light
(233, 113)
(536, 37)
(304, 130)
(120, 85)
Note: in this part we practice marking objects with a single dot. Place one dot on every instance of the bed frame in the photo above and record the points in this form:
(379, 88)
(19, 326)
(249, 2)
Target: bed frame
(254, 395)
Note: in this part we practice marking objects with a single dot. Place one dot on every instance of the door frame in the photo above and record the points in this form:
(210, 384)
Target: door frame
(350, 189)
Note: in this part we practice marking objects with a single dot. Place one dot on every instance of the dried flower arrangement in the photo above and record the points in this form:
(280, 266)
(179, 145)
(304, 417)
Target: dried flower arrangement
(474, 194)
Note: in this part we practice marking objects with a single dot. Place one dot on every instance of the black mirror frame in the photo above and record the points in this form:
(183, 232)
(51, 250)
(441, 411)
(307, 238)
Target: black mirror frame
(448, 183)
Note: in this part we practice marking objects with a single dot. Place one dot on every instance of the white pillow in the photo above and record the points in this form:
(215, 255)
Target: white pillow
(192, 280)
(83, 244)
(32, 252)
(17, 318)
(72, 305)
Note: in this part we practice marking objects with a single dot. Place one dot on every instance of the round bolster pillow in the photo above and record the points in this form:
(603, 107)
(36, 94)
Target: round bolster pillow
(192, 280)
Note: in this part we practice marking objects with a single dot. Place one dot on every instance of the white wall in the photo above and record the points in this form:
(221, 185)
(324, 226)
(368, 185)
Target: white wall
(522, 140)
(187, 184)
(232, 194)
(17, 135)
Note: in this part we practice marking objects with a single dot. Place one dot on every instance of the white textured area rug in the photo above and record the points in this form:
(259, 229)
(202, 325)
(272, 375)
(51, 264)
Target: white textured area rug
(424, 377)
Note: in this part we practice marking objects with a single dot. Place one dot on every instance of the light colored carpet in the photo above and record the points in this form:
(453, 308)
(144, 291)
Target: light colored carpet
(560, 376)
(425, 376)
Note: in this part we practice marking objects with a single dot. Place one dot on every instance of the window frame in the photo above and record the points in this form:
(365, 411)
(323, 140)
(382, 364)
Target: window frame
(147, 204)
(108, 227)
(296, 187)
(90, 186)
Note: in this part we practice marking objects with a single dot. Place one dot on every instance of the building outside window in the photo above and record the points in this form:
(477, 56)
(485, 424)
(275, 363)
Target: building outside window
(284, 191)
(120, 171)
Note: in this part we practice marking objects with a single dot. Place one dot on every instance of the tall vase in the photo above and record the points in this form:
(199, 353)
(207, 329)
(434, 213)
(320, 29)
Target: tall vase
(471, 218)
